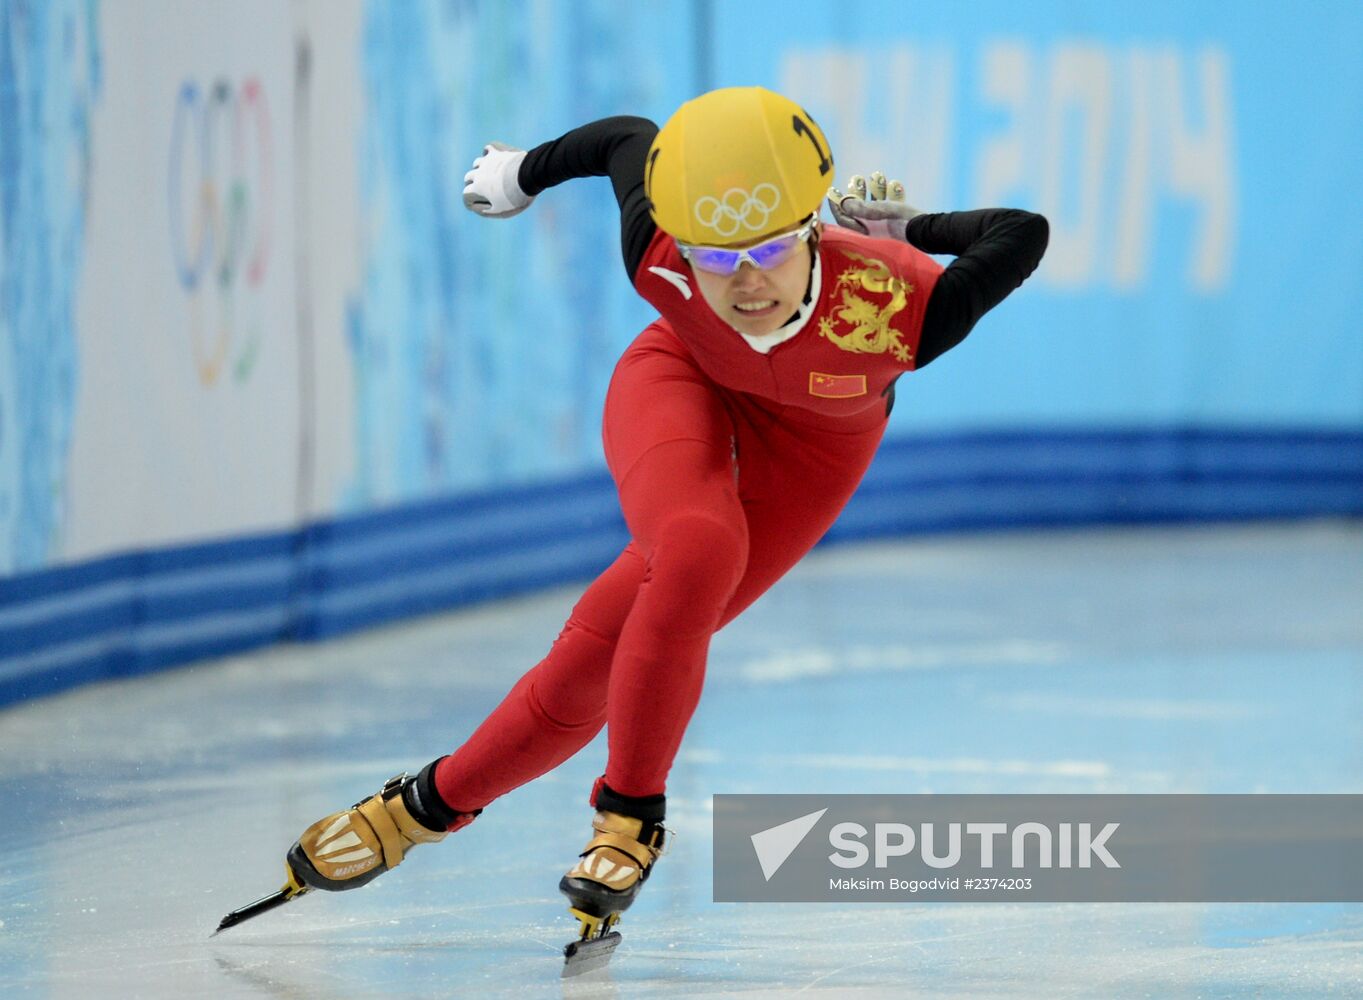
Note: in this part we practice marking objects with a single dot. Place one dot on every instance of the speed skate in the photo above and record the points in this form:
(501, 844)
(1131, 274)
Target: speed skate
(606, 879)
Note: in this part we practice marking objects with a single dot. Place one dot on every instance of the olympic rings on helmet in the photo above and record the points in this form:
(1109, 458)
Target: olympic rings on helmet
(738, 209)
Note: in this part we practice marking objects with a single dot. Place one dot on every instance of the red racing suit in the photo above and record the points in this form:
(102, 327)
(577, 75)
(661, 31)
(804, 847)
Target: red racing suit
(861, 337)
(730, 464)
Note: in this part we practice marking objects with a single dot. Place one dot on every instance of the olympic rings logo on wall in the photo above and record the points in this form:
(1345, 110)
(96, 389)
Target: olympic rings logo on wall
(738, 209)
(220, 189)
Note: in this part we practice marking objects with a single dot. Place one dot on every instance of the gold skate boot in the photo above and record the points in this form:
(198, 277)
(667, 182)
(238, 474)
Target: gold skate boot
(608, 876)
(352, 848)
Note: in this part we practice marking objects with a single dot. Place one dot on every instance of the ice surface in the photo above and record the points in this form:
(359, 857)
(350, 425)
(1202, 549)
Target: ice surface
(1192, 660)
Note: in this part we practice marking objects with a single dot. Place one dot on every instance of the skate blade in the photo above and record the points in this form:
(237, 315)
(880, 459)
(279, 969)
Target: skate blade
(581, 957)
(291, 891)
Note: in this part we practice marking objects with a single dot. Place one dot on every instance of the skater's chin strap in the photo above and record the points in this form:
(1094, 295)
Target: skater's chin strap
(797, 322)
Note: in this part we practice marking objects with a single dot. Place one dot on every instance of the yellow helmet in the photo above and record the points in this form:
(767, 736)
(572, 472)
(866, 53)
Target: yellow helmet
(736, 164)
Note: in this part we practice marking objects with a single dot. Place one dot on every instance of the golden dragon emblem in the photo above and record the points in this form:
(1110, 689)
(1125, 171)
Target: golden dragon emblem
(870, 331)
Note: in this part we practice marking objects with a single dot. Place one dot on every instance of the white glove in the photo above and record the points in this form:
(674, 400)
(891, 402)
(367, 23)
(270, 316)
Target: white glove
(491, 188)
(880, 211)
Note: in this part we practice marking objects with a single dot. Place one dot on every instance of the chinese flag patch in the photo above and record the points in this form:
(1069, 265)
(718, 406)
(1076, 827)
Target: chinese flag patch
(836, 386)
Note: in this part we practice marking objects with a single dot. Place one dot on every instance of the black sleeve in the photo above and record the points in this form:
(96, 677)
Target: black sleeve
(614, 148)
(996, 248)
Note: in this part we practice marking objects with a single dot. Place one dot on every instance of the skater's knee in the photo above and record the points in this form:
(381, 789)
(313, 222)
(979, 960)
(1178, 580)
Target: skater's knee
(698, 560)
(573, 694)
(702, 550)
(571, 708)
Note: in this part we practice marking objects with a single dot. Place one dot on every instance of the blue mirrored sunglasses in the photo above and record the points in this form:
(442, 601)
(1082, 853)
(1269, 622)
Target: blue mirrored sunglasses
(764, 256)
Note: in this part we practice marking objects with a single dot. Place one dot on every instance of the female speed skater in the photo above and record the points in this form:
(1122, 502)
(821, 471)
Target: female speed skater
(736, 428)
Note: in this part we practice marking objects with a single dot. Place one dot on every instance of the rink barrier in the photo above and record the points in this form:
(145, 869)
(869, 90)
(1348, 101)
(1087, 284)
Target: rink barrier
(129, 614)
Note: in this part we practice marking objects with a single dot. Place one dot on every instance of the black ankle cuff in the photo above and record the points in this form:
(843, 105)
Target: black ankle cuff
(425, 803)
(649, 808)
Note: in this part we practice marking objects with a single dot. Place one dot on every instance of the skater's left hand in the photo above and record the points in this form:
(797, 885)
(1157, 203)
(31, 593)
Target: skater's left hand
(492, 188)
(877, 209)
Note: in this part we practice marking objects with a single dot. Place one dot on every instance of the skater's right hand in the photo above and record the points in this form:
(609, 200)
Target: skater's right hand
(879, 210)
(492, 188)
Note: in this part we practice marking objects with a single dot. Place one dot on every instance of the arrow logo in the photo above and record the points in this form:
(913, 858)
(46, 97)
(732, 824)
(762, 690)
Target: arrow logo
(775, 845)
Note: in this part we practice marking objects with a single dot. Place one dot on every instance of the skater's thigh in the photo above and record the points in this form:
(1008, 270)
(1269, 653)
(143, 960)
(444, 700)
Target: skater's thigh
(657, 395)
(795, 481)
(669, 442)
